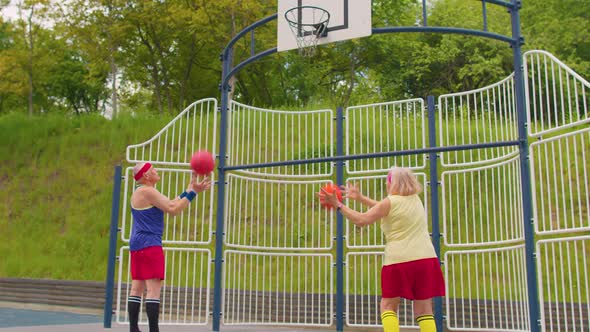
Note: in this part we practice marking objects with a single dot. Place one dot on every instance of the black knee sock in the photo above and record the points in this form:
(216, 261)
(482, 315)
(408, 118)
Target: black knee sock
(133, 305)
(152, 307)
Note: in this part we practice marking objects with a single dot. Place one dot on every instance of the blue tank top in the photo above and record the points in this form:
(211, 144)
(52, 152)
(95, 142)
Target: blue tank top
(148, 226)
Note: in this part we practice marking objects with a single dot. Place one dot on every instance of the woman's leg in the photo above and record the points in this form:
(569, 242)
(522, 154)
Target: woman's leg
(389, 309)
(424, 316)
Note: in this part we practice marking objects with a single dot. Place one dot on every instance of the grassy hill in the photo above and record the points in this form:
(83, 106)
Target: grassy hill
(56, 179)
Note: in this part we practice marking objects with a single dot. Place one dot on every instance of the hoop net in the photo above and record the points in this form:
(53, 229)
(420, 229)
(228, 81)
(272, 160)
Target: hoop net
(308, 24)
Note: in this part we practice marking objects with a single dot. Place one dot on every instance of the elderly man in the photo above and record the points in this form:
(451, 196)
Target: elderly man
(148, 207)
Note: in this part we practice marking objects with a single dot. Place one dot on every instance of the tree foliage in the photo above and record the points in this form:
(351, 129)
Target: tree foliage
(94, 56)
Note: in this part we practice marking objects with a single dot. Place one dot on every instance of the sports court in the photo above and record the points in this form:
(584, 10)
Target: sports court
(47, 319)
(259, 250)
(503, 167)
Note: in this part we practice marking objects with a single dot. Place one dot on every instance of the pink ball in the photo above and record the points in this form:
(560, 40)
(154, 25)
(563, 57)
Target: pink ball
(202, 162)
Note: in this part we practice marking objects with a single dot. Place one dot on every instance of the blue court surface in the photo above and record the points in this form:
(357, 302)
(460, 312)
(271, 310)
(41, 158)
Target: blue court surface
(27, 320)
(25, 317)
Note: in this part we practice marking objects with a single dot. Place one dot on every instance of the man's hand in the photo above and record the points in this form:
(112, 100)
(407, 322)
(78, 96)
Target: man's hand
(192, 183)
(199, 186)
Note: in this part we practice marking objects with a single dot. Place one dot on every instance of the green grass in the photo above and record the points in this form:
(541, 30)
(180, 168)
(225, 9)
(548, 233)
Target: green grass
(56, 180)
(56, 175)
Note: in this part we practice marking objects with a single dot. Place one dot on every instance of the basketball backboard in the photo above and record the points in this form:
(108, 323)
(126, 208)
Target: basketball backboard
(348, 19)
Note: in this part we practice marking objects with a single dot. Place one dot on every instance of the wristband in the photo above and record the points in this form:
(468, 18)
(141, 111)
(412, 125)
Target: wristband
(182, 195)
(339, 206)
(190, 196)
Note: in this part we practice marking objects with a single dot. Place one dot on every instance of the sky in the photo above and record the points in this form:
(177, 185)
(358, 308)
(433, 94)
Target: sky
(10, 11)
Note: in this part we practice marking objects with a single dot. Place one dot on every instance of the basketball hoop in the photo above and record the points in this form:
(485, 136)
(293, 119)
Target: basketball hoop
(308, 24)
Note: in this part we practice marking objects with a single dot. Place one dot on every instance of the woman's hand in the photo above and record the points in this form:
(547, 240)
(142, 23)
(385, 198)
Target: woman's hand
(351, 191)
(328, 198)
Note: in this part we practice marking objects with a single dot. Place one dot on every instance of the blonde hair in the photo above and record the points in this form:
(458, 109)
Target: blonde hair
(403, 182)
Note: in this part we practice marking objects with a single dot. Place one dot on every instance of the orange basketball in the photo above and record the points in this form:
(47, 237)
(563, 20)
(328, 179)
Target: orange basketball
(330, 188)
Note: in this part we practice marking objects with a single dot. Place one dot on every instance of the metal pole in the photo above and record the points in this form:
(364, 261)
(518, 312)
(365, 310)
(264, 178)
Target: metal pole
(219, 231)
(110, 282)
(348, 157)
(424, 16)
(434, 205)
(484, 13)
(339, 225)
(525, 175)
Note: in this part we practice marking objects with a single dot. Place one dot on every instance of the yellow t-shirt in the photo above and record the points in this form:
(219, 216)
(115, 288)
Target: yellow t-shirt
(406, 231)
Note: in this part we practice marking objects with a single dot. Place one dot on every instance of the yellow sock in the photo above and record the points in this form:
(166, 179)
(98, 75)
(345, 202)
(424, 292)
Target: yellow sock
(390, 321)
(426, 323)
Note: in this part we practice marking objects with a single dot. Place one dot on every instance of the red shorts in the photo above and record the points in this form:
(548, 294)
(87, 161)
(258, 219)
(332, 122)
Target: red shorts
(147, 263)
(414, 280)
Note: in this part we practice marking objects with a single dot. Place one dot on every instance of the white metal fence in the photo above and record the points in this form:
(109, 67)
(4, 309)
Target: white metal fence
(192, 226)
(385, 127)
(377, 128)
(185, 297)
(564, 282)
(487, 289)
(482, 205)
(370, 237)
(193, 129)
(279, 262)
(557, 97)
(258, 135)
(185, 294)
(279, 243)
(276, 215)
(263, 288)
(557, 101)
(482, 213)
(485, 115)
(561, 190)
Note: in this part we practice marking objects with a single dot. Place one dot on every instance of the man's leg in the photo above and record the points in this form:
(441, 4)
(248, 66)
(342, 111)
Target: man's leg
(152, 303)
(134, 303)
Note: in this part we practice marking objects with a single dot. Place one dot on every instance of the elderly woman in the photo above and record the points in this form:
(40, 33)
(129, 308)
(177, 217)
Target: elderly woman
(411, 268)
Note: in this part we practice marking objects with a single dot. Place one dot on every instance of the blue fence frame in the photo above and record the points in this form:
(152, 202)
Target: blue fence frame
(515, 41)
(110, 279)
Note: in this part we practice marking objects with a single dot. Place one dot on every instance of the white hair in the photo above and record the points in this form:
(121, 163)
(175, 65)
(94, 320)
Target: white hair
(403, 182)
(138, 168)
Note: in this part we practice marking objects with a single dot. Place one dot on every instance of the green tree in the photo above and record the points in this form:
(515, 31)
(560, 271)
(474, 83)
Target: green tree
(219, 22)
(94, 26)
(560, 27)
(330, 78)
(11, 84)
(74, 82)
(162, 55)
(31, 12)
